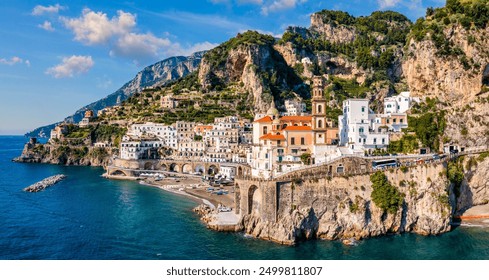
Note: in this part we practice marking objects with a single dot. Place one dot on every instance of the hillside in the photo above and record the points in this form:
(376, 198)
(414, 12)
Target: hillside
(443, 56)
(154, 75)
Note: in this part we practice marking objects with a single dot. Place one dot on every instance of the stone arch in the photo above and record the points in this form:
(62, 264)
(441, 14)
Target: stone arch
(254, 200)
(174, 167)
(148, 166)
(187, 168)
(118, 172)
(162, 166)
(213, 169)
(199, 168)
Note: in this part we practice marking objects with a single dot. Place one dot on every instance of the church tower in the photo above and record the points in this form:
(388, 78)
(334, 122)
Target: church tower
(319, 125)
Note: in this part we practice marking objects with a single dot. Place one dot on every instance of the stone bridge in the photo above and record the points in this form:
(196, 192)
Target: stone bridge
(132, 168)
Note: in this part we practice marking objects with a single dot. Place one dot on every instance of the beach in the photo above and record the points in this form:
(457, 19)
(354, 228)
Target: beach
(195, 188)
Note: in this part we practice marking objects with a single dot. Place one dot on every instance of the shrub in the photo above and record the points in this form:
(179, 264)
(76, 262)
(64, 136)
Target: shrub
(384, 194)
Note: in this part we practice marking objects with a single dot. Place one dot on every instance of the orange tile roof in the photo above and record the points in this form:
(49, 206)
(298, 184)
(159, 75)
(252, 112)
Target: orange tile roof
(296, 118)
(296, 128)
(272, 137)
(265, 119)
(203, 127)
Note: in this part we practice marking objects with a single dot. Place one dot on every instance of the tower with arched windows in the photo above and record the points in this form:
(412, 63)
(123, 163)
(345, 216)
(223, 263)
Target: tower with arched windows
(319, 124)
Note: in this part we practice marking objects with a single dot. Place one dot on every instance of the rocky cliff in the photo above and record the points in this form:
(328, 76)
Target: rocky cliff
(250, 61)
(342, 208)
(154, 75)
(64, 155)
(474, 189)
(456, 78)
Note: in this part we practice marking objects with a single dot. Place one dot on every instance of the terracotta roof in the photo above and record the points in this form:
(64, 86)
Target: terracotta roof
(265, 119)
(272, 137)
(296, 118)
(302, 128)
(203, 127)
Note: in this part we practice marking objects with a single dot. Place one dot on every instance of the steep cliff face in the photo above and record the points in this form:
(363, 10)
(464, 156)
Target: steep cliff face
(335, 33)
(249, 61)
(474, 189)
(457, 78)
(154, 75)
(342, 208)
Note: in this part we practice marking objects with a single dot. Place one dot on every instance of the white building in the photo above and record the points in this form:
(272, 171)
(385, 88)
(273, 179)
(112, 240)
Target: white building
(228, 172)
(399, 103)
(294, 107)
(356, 127)
(133, 149)
(166, 133)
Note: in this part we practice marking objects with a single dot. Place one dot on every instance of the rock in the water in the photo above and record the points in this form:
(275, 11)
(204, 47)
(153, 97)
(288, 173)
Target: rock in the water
(42, 185)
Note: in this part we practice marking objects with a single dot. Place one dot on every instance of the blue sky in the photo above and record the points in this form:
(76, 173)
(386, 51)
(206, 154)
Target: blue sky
(57, 56)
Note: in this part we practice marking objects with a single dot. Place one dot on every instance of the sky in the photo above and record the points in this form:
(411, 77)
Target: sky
(57, 56)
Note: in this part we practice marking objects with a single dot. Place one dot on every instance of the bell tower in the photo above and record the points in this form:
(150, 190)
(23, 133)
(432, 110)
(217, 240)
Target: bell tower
(319, 125)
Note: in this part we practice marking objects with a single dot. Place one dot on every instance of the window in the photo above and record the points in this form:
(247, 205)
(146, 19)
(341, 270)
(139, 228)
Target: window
(320, 109)
(401, 120)
(375, 140)
(360, 130)
(266, 155)
(383, 140)
(388, 120)
(278, 142)
(302, 141)
(265, 130)
(292, 141)
(363, 109)
(394, 120)
(359, 140)
(320, 123)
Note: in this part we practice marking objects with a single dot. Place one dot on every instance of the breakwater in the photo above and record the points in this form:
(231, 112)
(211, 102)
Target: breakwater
(46, 183)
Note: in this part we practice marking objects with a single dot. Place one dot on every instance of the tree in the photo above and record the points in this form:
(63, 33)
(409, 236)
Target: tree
(384, 195)
(306, 158)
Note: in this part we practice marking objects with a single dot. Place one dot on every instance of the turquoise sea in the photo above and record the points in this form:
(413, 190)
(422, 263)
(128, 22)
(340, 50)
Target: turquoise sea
(88, 217)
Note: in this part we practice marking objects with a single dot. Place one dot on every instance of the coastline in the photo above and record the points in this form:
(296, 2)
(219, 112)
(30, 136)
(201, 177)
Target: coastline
(175, 190)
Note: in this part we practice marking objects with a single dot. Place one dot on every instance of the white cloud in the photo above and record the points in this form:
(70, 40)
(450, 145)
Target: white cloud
(71, 66)
(256, 2)
(96, 28)
(52, 9)
(46, 26)
(139, 46)
(14, 60)
(279, 5)
(387, 3)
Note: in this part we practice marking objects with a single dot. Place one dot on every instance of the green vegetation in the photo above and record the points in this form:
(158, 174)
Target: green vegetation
(406, 145)
(469, 14)
(306, 158)
(455, 174)
(218, 55)
(428, 125)
(108, 133)
(74, 131)
(385, 196)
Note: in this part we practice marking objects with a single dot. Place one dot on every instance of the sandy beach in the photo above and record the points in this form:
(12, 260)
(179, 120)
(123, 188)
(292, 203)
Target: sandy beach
(195, 188)
(476, 216)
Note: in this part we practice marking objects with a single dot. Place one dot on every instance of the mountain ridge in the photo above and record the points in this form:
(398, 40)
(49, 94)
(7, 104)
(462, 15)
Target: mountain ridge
(154, 75)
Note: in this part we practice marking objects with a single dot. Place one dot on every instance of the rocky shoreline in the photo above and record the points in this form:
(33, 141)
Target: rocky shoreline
(46, 183)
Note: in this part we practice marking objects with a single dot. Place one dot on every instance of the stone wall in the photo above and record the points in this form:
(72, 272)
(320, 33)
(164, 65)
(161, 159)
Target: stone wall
(341, 207)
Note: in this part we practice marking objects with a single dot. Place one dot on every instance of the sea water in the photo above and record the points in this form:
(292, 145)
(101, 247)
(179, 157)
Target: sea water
(89, 217)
